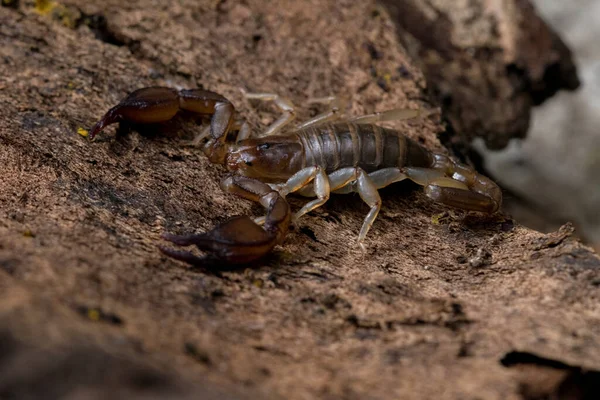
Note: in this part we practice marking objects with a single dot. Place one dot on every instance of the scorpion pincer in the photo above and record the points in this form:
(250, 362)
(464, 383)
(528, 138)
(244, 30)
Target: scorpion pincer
(320, 156)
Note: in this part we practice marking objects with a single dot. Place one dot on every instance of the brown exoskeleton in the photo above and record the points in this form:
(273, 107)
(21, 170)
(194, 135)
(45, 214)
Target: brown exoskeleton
(315, 159)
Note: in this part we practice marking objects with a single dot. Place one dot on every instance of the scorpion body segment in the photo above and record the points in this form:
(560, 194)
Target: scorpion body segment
(320, 157)
(366, 146)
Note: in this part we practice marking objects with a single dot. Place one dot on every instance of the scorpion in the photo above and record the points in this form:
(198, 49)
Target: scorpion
(323, 155)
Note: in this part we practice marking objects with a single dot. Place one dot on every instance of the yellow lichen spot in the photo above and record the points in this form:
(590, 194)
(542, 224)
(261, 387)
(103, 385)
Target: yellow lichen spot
(387, 78)
(440, 218)
(93, 314)
(44, 7)
(82, 132)
(68, 16)
(287, 257)
(259, 283)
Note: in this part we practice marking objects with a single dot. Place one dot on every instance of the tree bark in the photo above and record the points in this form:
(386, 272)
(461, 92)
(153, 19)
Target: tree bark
(439, 306)
(487, 63)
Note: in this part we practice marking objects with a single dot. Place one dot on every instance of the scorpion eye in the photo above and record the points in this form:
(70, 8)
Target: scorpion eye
(263, 146)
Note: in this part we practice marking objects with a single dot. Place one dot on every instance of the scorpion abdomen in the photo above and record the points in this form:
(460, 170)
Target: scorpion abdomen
(367, 146)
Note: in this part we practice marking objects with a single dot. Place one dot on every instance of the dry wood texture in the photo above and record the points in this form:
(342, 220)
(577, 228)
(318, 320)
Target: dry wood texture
(439, 307)
(487, 62)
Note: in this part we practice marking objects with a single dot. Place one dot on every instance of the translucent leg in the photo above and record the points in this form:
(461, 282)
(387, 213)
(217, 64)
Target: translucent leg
(337, 104)
(368, 192)
(357, 180)
(398, 114)
(385, 177)
(338, 181)
(285, 105)
(300, 180)
(204, 133)
(380, 178)
(244, 132)
(322, 191)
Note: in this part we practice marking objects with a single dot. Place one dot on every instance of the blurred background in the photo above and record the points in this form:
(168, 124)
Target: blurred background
(554, 174)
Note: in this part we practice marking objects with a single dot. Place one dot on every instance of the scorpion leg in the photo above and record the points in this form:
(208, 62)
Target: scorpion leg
(348, 180)
(366, 187)
(321, 188)
(204, 133)
(367, 190)
(238, 125)
(160, 104)
(239, 240)
(398, 114)
(244, 133)
(380, 178)
(285, 105)
(337, 104)
(301, 179)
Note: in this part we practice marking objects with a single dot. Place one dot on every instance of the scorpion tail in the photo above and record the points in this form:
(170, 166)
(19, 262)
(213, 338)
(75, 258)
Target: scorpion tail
(457, 185)
(239, 240)
(481, 194)
(464, 199)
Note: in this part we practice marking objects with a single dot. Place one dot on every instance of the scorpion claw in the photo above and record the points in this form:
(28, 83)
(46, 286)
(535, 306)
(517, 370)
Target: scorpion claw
(237, 241)
(181, 240)
(184, 256)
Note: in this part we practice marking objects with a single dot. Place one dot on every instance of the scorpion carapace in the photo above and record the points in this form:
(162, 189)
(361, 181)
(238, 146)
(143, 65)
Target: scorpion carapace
(321, 156)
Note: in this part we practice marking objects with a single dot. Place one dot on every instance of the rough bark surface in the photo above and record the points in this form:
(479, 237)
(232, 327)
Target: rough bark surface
(438, 307)
(487, 62)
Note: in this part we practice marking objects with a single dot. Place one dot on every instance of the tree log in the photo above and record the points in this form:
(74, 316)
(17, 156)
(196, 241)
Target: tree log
(440, 306)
